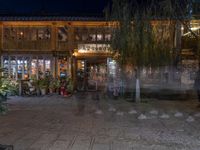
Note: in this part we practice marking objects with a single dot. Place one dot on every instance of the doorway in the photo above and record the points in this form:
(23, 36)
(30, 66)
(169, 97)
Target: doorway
(92, 73)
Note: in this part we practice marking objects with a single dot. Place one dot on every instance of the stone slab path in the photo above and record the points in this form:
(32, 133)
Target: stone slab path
(58, 123)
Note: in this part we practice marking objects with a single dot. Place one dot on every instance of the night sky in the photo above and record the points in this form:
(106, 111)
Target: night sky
(52, 6)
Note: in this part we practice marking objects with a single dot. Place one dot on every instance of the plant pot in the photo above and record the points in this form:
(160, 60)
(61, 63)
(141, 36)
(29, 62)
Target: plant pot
(43, 92)
(38, 91)
(51, 90)
(57, 91)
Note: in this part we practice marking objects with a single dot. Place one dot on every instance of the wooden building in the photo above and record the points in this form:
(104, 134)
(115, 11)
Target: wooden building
(63, 46)
(35, 46)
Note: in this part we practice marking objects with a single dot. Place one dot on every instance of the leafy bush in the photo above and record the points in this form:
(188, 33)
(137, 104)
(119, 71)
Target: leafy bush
(7, 87)
(70, 86)
(43, 83)
(54, 83)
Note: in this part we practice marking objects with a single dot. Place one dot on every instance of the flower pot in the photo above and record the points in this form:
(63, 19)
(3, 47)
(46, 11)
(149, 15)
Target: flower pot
(38, 91)
(51, 90)
(43, 91)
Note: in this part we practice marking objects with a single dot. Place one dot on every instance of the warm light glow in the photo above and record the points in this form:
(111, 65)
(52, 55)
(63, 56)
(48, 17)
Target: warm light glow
(193, 29)
(75, 54)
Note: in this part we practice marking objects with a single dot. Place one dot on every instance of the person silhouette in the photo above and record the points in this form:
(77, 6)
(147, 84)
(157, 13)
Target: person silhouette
(197, 85)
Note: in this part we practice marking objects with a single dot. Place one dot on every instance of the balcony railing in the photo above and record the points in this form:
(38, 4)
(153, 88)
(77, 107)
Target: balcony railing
(24, 45)
(189, 43)
(62, 45)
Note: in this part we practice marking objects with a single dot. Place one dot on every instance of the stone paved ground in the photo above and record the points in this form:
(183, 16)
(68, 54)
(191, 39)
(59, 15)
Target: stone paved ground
(76, 123)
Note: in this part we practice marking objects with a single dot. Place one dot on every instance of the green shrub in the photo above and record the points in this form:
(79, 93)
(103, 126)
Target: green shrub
(7, 87)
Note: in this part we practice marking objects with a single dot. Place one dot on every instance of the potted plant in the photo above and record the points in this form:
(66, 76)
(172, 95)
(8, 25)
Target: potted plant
(70, 86)
(57, 85)
(52, 86)
(35, 83)
(7, 87)
(43, 84)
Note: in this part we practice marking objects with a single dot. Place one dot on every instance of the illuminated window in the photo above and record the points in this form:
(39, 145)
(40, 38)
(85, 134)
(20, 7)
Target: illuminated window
(62, 33)
(107, 37)
(19, 67)
(44, 34)
(47, 65)
(20, 33)
(26, 67)
(92, 37)
(34, 66)
(40, 68)
(99, 37)
(13, 67)
(84, 37)
(5, 65)
(33, 34)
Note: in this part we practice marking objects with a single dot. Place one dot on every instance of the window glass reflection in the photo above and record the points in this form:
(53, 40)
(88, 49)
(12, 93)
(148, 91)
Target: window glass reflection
(13, 67)
(19, 67)
(26, 67)
(41, 68)
(5, 66)
(34, 67)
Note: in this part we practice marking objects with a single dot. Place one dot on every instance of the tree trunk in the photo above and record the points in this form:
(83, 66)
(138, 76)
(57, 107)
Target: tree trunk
(137, 90)
(137, 86)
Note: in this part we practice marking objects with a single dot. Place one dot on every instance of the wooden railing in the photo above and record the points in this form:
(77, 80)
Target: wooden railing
(189, 43)
(62, 45)
(24, 45)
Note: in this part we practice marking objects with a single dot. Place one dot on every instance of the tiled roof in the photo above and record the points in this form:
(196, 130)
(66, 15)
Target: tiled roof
(49, 18)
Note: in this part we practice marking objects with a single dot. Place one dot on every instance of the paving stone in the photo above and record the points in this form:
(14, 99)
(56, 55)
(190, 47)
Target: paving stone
(112, 109)
(60, 145)
(190, 119)
(197, 115)
(27, 140)
(142, 117)
(44, 142)
(132, 111)
(101, 147)
(165, 116)
(120, 113)
(178, 114)
(50, 123)
(154, 112)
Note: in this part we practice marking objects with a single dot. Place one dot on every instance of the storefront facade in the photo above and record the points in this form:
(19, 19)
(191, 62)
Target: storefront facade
(32, 47)
(43, 46)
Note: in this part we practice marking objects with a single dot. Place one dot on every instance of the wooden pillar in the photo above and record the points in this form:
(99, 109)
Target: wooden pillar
(54, 49)
(23, 68)
(53, 37)
(55, 66)
(74, 69)
(44, 67)
(16, 67)
(2, 64)
(1, 40)
(37, 71)
(9, 67)
(30, 67)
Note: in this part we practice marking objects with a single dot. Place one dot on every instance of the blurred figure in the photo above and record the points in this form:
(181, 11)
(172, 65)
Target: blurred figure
(80, 99)
(197, 85)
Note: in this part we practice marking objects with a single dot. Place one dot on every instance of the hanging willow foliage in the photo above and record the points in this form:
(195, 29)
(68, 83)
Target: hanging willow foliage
(144, 32)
